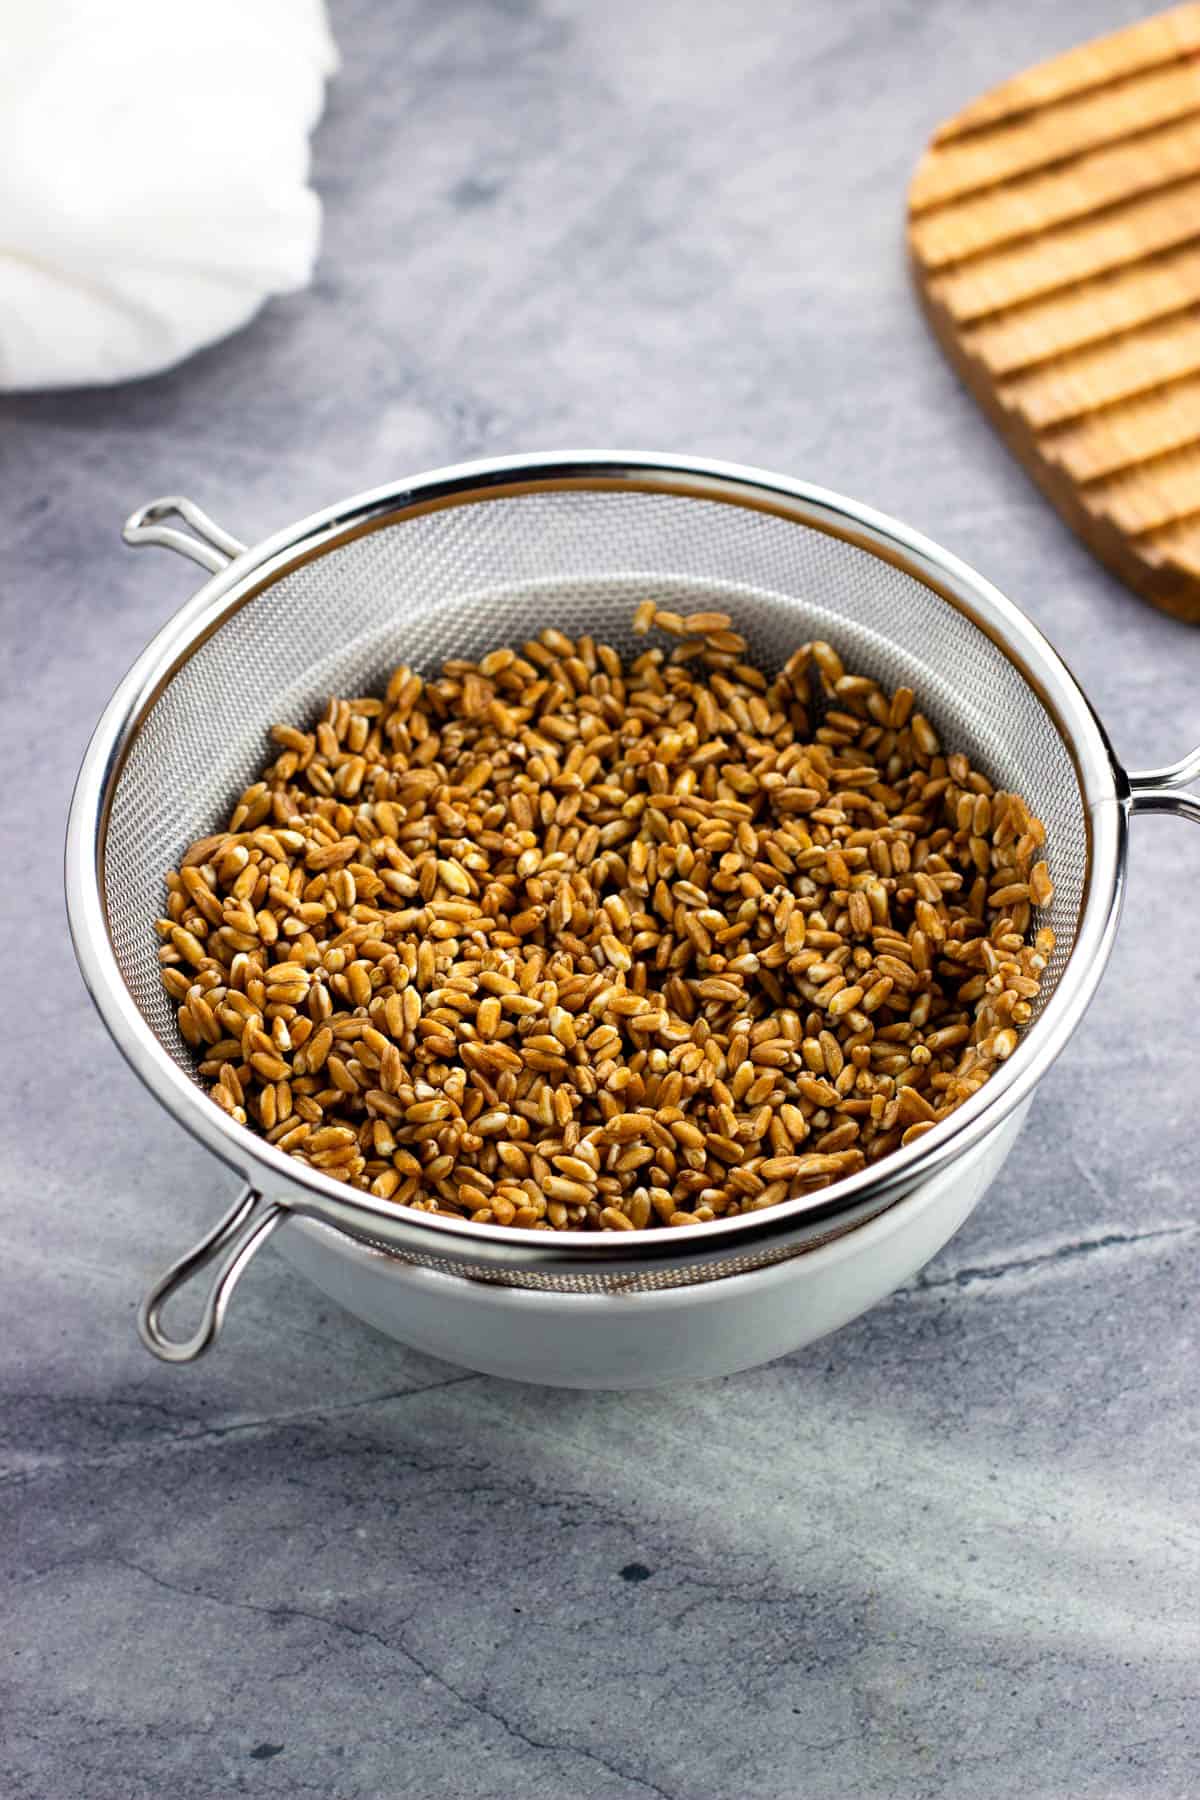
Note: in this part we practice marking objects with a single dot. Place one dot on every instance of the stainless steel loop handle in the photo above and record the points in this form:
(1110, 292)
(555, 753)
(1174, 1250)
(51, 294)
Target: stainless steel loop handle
(243, 1231)
(212, 546)
(1166, 790)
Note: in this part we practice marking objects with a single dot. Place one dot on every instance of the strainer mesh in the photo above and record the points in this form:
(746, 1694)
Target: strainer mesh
(654, 1280)
(459, 581)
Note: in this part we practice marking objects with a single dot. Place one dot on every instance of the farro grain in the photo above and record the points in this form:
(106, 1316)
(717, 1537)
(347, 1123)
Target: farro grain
(565, 944)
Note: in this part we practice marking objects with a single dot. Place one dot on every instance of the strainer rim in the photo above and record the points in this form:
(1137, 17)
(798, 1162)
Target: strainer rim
(1103, 785)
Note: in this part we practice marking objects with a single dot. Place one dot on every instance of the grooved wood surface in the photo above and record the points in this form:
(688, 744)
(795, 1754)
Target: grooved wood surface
(1054, 228)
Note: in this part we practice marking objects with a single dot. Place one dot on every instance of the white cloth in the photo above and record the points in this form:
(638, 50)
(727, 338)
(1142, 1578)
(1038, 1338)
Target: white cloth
(153, 177)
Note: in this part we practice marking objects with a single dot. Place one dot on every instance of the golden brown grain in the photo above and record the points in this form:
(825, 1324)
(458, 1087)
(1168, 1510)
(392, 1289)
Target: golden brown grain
(564, 944)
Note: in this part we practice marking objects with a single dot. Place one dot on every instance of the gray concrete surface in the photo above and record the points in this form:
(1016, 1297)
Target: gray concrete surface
(950, 1552)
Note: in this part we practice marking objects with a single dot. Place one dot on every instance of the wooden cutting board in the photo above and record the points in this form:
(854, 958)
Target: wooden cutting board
(1054, 227)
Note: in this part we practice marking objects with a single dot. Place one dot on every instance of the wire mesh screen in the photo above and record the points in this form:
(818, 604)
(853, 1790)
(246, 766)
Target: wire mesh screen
(658, 1278)
(462, 580)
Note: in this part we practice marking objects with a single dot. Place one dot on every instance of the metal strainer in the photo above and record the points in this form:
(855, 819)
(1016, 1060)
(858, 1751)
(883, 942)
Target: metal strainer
(456, 562)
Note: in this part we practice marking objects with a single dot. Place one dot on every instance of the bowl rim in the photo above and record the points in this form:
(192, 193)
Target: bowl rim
(1103, 783)
(867, 1238)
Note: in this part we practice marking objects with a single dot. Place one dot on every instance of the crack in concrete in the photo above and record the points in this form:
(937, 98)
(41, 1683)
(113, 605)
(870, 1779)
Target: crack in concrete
(973, 1274)
(189, 1435)
(316, 1414)
(472, 1703)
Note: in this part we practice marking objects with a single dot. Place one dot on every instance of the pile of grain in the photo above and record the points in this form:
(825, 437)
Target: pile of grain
(569, 945)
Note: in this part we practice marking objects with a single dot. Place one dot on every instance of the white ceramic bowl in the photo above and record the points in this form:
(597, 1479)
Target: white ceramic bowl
(649, 1339)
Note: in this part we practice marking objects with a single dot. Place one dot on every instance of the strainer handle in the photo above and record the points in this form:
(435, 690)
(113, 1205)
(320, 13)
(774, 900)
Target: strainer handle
(243, 1231)
(212, 547)
(1166, 790)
